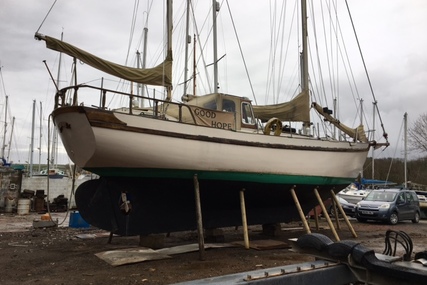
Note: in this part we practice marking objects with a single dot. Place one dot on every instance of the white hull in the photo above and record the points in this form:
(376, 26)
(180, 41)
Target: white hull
(353, 196)
(146, 143)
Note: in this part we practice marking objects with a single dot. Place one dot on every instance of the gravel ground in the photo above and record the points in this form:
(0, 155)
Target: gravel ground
(64, 255)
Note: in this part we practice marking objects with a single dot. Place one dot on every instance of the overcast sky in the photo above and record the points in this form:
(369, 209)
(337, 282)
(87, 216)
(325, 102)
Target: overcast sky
(391, 34)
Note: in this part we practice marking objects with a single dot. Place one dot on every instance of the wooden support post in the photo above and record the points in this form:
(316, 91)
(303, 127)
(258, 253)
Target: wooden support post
(328, 219)
(199, 219)
(301, 213)
(344, 215)
(244, 220)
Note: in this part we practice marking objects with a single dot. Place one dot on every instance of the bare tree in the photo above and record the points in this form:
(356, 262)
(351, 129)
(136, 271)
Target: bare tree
(417, 134)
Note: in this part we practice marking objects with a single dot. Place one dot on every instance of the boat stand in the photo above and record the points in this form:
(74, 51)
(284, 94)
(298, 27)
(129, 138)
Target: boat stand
(336, 204)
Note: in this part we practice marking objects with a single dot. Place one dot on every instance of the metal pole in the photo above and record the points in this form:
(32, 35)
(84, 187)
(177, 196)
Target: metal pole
(373, 137)
(144, 63)
(187, 42)
(199, 219)
(5, 128)
(32, 139)
(169, 42)
(405, 118)
(10, 139)
(215, 9)
(40, 135)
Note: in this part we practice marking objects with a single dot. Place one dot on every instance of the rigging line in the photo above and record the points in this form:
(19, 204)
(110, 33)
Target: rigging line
(147, 12)
(270, 60)
(286, 50)
(272, 56)
(348, 71)
(9, 110)
(316, 49)
(199, 42)
(275, 74)
(282, 56)
(132, 28)
(385, 135)
(286, 56)
(241, 53)
(2, 80)
(46, 17)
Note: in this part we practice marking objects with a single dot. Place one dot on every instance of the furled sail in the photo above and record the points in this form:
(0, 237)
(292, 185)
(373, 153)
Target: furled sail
(296, 110)
(161, 75)
(357, 133)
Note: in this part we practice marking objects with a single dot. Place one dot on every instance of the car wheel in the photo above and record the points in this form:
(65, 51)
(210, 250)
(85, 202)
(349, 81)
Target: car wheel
(416, 219)
(362, 220)
(394, 218)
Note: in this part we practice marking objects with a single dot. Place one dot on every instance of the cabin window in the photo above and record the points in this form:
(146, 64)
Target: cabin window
(228, 106)
(210, 105)
(247, 114)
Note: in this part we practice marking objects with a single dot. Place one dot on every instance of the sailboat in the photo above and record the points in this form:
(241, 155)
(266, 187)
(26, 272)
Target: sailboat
(148, 158)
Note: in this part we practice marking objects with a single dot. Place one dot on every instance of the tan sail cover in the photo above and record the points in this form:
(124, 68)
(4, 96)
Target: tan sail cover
(160, 75)
(296, 110)
(357, 133)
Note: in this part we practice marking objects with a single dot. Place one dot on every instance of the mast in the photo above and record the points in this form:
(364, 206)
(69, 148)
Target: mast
(304, 59)
(373, 137)
(10, 139)
(194, 67)
(169, 40)
(405, 120)
(304, 79)
(361, 121)
(40, 135)
(335, 111)
(138, 85)
(54, 152)
(5, 127)
(187, 42)
(32, 139)
(215, 9)
(143, 64)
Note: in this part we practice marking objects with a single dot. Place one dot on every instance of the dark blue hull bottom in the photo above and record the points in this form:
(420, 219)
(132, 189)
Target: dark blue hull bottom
(168, 205)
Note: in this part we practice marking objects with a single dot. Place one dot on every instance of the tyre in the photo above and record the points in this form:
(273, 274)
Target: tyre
(416, 219)
(341, 249)
(314, 241)
(393, 219)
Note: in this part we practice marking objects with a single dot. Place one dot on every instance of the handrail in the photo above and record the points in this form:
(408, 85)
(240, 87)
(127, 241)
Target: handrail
(60, 100)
